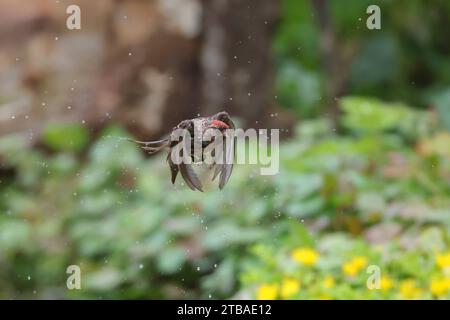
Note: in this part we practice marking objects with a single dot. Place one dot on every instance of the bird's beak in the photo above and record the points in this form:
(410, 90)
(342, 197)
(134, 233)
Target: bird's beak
(220, 124)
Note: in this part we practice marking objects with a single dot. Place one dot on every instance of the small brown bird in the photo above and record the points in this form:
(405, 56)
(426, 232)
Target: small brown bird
(197, 127)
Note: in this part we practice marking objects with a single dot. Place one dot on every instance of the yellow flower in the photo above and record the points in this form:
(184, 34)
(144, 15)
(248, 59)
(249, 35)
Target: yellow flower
(350, 269)
(328, 282)
(354, 266)
(409, 290)
(360, 262)
(443, 260)
(289, 287)
(267, 292)
(305, 256)
(386, 283)
(440, 286)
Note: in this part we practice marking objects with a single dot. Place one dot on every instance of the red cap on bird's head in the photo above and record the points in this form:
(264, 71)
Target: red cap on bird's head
(219, 124)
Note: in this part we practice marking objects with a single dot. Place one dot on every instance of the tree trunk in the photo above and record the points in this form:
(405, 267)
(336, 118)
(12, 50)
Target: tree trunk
(236, 57)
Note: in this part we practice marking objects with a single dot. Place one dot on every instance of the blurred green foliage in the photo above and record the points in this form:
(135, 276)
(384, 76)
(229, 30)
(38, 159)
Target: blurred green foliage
(377, 195)
(407, 60)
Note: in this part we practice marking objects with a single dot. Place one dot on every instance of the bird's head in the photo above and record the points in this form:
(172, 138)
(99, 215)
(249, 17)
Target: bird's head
(221, 121)
(217, 124)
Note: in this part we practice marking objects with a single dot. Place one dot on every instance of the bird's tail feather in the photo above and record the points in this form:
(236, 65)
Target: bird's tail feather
(152, 146)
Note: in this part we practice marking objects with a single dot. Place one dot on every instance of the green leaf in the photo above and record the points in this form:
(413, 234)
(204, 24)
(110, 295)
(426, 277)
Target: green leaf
(368, 114)
(442, 104)
(105, 279)
(66, 137)
(171, 259)
(300, 235)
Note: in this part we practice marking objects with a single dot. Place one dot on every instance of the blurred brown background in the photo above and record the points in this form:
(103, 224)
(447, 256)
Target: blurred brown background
(149, 64)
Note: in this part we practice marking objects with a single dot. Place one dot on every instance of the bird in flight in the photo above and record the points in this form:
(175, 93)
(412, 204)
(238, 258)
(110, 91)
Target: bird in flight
(196, 130)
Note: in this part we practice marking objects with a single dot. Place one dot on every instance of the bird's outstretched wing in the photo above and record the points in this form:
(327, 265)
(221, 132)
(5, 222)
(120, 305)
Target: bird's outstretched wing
(173, 168)
(188, 174)
(190, 177)
(228, 149)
